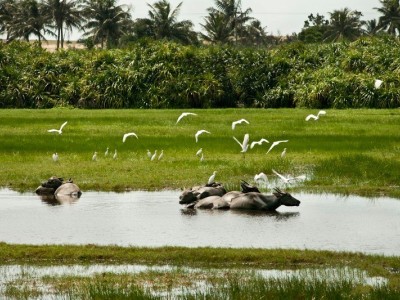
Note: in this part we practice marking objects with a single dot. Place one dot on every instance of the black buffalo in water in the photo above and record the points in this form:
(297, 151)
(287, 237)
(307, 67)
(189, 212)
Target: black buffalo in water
(57, 187)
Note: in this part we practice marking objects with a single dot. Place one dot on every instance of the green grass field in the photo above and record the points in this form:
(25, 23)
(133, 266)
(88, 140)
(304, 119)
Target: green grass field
(345, 151)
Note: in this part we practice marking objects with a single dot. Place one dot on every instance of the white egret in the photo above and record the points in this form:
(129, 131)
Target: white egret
(283, 154)
(128, 134)
(115, 154)
(200, 151)
(148, 153)
(261, 179)
(378, 83)
(245, 144)
(202, 157)
(161, 155)
(289, 179)
(58, 130)
(94, 157)
(200, 132)
(106, 153)
(212, 178)
(315, 117)
(185, 114)
(239, 122)
(276, 143)
(55, 157)
(153, 157)
(258, 143)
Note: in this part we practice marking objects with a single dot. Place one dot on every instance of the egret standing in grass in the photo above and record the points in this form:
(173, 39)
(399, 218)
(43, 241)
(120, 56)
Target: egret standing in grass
(161, 155)
(153, 157)
(202, 157)
(127, 135)
(148, 153)
(185, 114)
(196, 136)
(106, 153)
(239, 122)
(212, 178)
(94, 157)
(115, 154)
(283, 154)
(58, 130)
(55, 157)
(276, 143)
(315, 117)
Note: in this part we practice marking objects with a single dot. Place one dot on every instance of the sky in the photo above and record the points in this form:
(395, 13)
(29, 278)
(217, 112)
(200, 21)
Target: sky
(280, 17)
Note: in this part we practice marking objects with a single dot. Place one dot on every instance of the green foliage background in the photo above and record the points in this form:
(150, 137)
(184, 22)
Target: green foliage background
(163, 74)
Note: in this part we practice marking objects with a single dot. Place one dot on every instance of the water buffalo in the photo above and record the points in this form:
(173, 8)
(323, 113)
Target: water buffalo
(49, 187)
(212, 202)
(259, 201)
(55, 186)
(200, 192)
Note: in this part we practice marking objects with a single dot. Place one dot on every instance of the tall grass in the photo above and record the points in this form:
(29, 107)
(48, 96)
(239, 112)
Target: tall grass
(354, 151)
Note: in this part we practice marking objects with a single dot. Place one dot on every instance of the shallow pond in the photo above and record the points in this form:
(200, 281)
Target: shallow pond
(322, 222)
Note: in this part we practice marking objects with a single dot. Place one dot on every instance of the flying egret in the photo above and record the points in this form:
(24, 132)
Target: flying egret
(148, 153)
(161, 155)
(258, 143)
(128, 134)
(200, 132)
(212, 178)
(153, 157)
(289, 179)
(58, 130)
(94, 157)
(239, 122)
(55, 157)
(315, 117)
(185, 114)
(261, 179)
(106, 153)
(200, 151)
(245, 144)
(378, 83)
(115, 154)
(276, 143)
(283, 154)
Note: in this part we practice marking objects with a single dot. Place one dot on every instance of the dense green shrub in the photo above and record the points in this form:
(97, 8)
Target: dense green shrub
(149, 74)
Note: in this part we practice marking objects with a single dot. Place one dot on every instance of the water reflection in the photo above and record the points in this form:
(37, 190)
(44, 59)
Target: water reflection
(53, 200)
(322, 222)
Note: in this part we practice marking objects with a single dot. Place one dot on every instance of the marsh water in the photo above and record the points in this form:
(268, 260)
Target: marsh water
(321, 222)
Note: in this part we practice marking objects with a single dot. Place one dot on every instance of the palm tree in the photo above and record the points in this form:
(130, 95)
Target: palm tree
(390, 19)
(106, 21)
(235, 18)
(27, 19)
(371, 27)
(7, 9)
(216, 28)
(163, 24)
(344, 24)
(65, 14)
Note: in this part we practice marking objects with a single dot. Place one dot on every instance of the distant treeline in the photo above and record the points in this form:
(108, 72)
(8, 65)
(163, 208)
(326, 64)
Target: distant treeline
(161, 74)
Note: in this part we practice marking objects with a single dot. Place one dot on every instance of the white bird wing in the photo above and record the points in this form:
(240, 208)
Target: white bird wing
(184, 115)
(258, 142)
(200, 132)
(239, 122)
(128, 134)
(241, 146)
(279, 175)
(62, 126)
(321, 112)
(276, 143)
(311, 117)
(199, 151)
(245, 141)
(53, 130)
